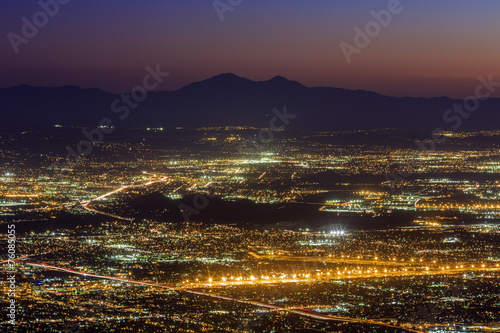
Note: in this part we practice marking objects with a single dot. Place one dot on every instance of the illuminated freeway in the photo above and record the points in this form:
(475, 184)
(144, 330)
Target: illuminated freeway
(85, 204)
(302, 312)
(315, 276)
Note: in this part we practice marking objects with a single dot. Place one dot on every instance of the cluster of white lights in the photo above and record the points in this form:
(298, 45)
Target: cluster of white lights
(347, 272)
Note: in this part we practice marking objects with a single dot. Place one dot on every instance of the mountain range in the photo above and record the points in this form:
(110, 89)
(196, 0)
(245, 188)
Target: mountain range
(229, 100)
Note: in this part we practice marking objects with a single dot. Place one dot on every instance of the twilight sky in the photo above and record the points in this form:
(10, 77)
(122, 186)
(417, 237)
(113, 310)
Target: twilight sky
(431, 48)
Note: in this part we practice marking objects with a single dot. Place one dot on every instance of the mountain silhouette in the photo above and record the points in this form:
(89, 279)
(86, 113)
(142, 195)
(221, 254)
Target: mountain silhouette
(229, 100)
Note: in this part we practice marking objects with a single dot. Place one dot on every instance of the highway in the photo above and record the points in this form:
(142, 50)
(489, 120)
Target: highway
(301, 312)
(341, 276)
(85, 204)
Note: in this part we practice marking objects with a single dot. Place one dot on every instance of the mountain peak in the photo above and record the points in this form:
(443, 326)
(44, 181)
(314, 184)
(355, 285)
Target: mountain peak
(279, 78)
(221, 81)
(283, 81)
(227, 76)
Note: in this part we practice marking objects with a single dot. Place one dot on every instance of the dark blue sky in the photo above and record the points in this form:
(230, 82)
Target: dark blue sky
(429, 48)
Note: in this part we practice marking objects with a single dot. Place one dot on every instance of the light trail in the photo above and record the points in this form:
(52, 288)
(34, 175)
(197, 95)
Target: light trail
(112, 192)
(84, 274)
(85, 204)
(107, 214)
(177, 189)
(125, 187)
(301, 311)
(23, 258)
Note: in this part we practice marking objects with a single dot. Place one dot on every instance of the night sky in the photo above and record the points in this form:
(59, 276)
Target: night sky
(431, 48)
